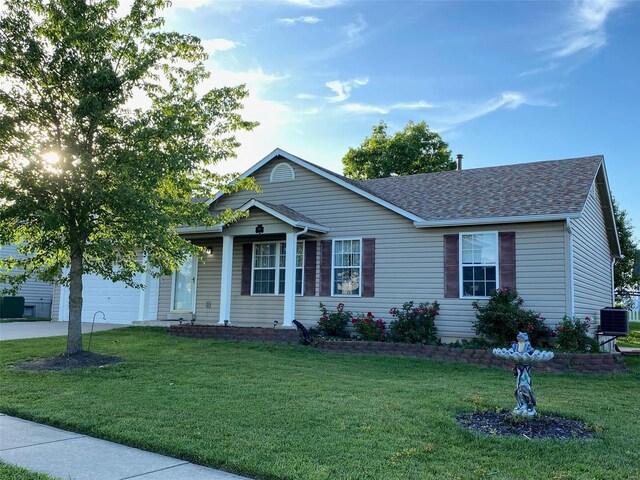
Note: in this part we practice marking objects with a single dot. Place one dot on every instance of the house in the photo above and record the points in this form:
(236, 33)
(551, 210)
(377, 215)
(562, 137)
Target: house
(37, 294)
(546, 229)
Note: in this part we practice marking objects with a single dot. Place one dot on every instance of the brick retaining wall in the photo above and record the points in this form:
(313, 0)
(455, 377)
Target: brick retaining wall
(588, 364)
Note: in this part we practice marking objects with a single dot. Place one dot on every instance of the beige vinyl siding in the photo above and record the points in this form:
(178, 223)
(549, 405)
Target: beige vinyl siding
(36, 294)
(409, 261)
(591, 259)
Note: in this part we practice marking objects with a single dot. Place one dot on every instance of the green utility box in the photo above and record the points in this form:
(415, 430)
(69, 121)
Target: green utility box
(11, 307)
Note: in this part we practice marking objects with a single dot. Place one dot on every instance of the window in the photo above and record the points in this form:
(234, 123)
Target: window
(479, 263)
(266, 269)
(346, 274)
(183, 292)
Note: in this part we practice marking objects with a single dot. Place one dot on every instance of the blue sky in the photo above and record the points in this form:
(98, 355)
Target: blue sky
(502, 82)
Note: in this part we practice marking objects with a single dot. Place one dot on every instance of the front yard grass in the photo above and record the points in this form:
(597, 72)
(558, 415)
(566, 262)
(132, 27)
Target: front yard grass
(633, 339)
(11, 472)
(291, 412)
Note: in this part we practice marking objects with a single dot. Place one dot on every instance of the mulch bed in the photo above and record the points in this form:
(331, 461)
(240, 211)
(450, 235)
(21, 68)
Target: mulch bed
(540, 426)
(64, 362)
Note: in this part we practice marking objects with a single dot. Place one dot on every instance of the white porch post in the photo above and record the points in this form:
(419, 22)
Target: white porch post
(225, 280)
(290, 280)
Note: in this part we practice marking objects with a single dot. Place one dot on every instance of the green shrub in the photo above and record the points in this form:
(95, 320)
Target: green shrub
(334, 324)
(500, 320)
(370, 328)
(414, 324)
(573, 335)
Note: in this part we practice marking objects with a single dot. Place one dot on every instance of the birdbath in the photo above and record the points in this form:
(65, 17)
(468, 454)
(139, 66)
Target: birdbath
(524, 357)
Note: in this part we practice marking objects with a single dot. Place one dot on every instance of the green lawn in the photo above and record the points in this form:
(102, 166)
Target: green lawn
(633, 339)
(11, 472)
(290, 412)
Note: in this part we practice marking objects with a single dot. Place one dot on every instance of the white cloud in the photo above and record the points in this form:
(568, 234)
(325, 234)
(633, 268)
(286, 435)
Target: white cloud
(292, 21)
(586, 29)
(342, 90)
(316, 3)
(361, 108)
(306, 96)
(353, 29)
(218, 45)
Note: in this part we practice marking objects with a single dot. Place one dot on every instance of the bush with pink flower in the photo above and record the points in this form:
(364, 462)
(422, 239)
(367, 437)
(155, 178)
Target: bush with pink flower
(573, 335)
(414, 324)
(369, 327)
(334, 323)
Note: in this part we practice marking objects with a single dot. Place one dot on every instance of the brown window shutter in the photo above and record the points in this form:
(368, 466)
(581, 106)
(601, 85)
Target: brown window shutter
(245, 282)
(310, 253)
(368, 267)
(451, 266)
(325, 268)
(507, 259)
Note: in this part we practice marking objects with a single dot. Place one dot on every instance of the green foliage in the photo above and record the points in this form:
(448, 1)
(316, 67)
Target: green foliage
(573, 335)
(106, 136)
(414, 324)
(334, 324)
(415, 149)
(500, 320)
(626, 275)
(11, 472)
(369, 327)
(633, 339)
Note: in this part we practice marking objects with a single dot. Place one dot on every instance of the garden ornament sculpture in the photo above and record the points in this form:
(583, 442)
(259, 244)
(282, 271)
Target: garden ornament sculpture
(523, 355)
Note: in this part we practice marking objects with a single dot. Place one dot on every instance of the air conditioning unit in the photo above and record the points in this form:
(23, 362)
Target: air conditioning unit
(614, 321)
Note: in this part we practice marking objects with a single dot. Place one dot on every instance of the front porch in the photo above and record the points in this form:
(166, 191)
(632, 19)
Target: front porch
(253, 270)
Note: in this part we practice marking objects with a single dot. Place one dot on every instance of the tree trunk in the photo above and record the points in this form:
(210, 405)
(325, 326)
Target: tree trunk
(74, 337)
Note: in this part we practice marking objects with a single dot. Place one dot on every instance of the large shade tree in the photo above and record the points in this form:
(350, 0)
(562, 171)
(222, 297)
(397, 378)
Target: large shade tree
(90, 182)
(414, 149)
(626, 276)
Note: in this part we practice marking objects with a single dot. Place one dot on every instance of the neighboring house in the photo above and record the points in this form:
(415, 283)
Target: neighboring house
(37, 295)
(546, 229)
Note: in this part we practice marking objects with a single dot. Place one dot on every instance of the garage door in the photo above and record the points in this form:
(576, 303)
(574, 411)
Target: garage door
(120, 303)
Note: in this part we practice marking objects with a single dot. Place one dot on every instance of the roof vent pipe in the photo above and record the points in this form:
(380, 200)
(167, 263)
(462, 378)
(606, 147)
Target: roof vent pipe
(459, 157)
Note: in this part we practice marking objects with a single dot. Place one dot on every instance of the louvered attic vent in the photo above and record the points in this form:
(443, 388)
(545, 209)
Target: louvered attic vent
(283, 172)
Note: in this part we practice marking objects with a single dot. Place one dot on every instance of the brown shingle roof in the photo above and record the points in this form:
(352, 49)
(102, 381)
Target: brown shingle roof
(290, 213)
(539, 188)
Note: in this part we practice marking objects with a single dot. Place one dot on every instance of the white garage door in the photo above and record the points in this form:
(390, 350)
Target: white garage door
(120, 304)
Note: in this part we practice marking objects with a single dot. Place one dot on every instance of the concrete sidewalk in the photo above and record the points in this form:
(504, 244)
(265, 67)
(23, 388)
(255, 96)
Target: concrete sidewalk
(17, 330)
(72, 456)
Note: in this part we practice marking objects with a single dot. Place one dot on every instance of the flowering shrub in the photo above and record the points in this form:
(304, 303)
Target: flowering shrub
(334, 324)
(414, 324)
(500, 320)
(370, 328)
(573, 335)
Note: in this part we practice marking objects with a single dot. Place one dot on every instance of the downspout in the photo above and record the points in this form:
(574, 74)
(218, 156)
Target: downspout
(613, 281)
(570, 287)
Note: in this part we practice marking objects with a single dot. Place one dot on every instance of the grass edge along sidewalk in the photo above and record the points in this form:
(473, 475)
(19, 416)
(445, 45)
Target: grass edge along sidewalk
(282, 411)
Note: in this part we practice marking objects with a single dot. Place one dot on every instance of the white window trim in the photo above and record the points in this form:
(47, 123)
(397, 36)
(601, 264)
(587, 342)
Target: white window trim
(461, 266)
(277, 268)
(333, 268)
(194, 260)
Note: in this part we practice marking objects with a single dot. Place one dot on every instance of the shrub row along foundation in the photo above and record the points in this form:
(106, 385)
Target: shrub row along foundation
(589, 364)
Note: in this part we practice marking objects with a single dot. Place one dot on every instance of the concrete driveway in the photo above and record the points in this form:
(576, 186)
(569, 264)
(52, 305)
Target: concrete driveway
(16, 330)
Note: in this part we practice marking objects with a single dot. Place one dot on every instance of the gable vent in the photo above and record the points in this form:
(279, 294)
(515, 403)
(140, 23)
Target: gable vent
(283, 172)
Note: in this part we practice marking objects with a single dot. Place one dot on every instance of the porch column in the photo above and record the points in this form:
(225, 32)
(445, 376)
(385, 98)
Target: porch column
(225, 280)
(290, 280)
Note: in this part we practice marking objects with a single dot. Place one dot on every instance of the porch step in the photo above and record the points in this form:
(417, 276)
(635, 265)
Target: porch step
(243, 334)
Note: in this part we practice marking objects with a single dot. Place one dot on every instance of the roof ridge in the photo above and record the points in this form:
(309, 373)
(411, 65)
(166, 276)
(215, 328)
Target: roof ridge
(488, 167)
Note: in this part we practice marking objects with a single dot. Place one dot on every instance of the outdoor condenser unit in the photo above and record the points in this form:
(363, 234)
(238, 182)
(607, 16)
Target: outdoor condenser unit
(614, 321)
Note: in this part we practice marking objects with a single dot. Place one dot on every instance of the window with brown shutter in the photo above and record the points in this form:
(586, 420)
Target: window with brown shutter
(507, 245)
(325, 268)
(245, 281)
(310, 253)
(368, 267)
(451, 266)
